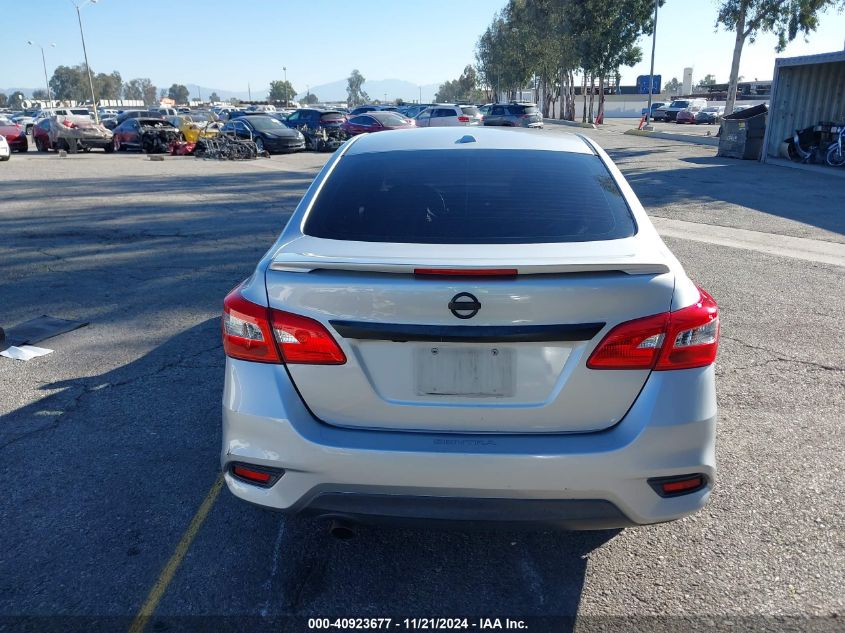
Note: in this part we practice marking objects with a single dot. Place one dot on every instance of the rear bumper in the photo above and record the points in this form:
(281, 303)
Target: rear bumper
(20, 144)
(575, 481)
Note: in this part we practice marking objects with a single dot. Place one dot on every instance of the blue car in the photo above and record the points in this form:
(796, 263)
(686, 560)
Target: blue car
(654, 106)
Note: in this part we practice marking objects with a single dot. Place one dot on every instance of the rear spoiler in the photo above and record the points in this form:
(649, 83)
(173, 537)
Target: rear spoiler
(297, 263)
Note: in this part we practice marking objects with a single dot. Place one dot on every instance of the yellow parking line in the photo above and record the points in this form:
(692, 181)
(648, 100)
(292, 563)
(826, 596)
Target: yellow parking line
(166, 575)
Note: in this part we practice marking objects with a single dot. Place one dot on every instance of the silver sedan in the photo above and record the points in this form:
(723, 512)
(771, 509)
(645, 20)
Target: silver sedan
(471, 324)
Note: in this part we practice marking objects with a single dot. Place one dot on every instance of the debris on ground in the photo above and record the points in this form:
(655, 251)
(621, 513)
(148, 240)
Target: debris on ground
(25, 352)
(38, 329)
(224, 147)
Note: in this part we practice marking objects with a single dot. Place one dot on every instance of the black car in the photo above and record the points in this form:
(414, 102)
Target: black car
(316, 119)
(267, 132)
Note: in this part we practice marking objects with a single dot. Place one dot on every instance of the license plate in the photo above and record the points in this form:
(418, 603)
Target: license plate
(464, 371)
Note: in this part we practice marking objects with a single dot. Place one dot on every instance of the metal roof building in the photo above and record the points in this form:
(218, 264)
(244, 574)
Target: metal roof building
(805, 90)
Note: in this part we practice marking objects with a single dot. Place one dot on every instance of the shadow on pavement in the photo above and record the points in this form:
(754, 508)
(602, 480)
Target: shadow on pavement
(813, 199)
(114, 481)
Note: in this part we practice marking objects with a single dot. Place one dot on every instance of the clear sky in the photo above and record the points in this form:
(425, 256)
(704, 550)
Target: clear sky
(224, 44)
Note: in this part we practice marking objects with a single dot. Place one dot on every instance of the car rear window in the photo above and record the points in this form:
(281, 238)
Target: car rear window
(332, 116)
(470, 197)
(469, 110)
(523, 109)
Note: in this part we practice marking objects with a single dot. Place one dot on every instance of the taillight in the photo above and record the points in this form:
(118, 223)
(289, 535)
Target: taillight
(683, 339)
(305, 341)
(249, 335)
(246, 330)
(463, 119)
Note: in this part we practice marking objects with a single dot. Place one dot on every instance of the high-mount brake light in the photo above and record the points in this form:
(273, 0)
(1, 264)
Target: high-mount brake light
(257, 333)
(682, 339)
(466, 272)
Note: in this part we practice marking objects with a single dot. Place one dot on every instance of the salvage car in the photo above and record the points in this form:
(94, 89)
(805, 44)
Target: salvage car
(151, 135)
(267, 132)
(5, 150)
(376, 121)
(461, 324)
(193, 128)
(64, 132)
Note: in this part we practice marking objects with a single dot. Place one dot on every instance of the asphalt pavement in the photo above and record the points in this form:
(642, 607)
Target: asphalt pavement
(110, 445)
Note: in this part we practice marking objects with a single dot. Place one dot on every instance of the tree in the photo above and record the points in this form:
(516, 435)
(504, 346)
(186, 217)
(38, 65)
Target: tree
(70, 83)
(179, 93)
(39, 95)
(355, 94)
(16, 101)
(140, 89)
(672, 87)
(784, 18)
(3, 100)
(705, 82)
(214, 97)
(108, 86)
(132, 90)
(281, 91)
(311, 99)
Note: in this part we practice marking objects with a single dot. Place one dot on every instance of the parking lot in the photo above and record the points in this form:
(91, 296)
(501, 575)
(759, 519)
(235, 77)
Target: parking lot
(110, 445)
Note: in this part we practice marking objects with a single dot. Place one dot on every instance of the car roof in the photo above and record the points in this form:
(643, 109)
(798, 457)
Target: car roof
(447, 138)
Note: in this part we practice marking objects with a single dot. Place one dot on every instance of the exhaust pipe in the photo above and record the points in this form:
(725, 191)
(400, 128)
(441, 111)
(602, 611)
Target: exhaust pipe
(342, 530)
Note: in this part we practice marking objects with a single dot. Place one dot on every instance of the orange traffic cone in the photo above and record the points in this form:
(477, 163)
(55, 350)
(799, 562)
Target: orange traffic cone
(642, 123)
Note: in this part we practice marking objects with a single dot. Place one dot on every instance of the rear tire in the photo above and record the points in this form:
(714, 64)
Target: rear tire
(39, 145)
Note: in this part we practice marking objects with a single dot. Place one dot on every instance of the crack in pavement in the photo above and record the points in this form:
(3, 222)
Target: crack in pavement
(85, 389)
(779, 358)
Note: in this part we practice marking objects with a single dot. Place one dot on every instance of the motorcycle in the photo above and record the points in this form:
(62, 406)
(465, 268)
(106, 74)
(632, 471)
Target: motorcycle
(804, 144)
(836, 151)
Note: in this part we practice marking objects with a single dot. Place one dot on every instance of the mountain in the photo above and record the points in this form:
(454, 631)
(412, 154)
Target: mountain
(376, 89)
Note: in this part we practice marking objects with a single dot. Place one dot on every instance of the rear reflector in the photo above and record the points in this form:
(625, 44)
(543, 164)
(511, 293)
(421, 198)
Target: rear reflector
(463, 119)
(260, 334)
(682, 339)
(467, 272)
(259, 475)
(677, 485)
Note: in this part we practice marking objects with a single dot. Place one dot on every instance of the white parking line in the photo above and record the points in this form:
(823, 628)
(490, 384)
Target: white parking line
(783, 245)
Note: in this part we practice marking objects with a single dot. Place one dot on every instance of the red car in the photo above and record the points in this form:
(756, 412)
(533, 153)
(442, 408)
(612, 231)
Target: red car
(376, 121)
(685, 116)
(15, 135)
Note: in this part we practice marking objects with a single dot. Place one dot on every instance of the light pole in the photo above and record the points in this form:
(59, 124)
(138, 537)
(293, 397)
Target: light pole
(44, 62)
(78, 8)
(420, 101)
(648, 126)
(285, 68)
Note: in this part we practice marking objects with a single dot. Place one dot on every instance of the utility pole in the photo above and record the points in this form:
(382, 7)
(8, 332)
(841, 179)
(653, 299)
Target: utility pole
(285, 68)
(420, 101)
(85, 54)
(248, 91)
(648, 125)
(44, 62)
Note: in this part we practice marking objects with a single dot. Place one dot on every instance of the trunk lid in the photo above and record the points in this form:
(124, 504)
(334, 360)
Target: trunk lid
(468, 354)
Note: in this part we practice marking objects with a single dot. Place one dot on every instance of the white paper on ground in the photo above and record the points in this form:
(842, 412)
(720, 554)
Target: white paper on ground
(25, 352)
